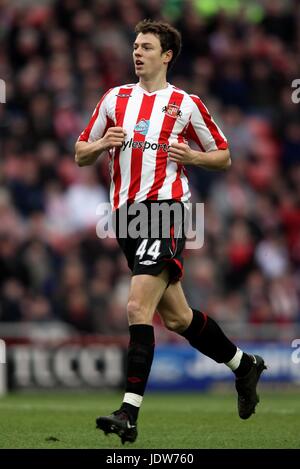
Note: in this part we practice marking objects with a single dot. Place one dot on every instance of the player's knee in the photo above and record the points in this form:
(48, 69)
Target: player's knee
(175, 324)
(136, 312)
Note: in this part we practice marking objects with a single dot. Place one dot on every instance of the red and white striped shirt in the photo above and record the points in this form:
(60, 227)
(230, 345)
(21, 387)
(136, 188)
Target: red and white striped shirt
(140, 169)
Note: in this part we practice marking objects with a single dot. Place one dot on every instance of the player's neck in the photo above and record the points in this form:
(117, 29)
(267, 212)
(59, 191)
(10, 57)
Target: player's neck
(153, 85)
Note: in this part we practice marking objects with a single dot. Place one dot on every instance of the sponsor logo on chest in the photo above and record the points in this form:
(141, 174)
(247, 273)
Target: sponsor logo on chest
(142, 126)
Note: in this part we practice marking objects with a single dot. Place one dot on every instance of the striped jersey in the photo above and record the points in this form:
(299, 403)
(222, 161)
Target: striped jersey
(140, 169)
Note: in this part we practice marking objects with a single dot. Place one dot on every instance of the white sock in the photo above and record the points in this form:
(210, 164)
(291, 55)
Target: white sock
(234, 363)
(133, 399)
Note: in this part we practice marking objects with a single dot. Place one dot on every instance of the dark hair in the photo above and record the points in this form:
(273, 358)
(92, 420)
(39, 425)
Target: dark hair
(170, 37)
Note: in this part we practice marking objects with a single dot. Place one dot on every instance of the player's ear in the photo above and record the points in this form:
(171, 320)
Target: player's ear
(168, 55)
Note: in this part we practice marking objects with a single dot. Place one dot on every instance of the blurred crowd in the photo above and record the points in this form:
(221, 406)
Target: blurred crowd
(57, 58)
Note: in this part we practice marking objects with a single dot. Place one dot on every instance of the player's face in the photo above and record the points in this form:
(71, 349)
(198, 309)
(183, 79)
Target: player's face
(149, 60)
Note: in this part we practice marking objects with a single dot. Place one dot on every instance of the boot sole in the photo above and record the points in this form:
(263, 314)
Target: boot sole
(109, 426)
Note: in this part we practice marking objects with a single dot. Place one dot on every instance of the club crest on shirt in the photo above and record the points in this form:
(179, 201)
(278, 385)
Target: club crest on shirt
(142, 126)
(172, 110)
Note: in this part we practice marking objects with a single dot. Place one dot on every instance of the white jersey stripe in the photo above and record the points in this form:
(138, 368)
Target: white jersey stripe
(140, 134)
(149, 156)
(122, 100)
(130, 118)
(165, 133)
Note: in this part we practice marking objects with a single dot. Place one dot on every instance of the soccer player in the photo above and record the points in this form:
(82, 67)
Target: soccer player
(146, 128)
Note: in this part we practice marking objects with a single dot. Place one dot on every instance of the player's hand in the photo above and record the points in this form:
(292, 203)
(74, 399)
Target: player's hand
(181, 153)
(114, 137)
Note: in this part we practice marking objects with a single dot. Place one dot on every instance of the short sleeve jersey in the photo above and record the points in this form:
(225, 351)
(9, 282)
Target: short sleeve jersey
(141, 169)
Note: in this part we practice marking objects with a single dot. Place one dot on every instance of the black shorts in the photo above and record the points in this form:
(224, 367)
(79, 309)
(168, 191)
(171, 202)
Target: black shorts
(152, 236)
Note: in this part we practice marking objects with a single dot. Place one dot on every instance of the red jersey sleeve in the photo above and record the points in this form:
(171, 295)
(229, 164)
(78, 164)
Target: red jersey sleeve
(203, 130)
(99, 122)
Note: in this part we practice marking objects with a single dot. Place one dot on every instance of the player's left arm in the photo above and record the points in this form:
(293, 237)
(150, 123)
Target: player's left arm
(182, 153)
(213, 150)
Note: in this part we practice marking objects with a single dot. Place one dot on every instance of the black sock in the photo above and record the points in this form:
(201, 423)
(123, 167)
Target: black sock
(131, 410)
(139, 361)
(206, 336)
(245, 366)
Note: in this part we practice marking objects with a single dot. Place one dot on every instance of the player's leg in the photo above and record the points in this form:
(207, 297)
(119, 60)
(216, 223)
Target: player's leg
(204, 334)
(144, 296)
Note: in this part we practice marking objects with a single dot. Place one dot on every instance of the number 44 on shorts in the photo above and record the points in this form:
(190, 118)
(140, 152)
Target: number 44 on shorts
(153, 250)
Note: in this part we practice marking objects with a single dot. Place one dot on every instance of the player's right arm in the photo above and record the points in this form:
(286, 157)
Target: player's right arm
(86, 153)
(100, 135)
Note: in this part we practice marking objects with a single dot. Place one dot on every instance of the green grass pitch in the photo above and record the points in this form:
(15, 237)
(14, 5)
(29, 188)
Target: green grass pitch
(190, 420)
